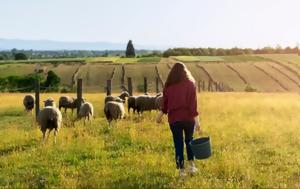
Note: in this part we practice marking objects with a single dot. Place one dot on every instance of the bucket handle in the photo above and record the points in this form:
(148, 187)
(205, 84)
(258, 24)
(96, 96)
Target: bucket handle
(202, 133)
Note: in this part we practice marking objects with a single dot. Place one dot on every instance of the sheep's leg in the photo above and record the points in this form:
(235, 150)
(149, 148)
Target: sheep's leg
(90, 118)
(55, 134)
(44, 138)
(65, 110)
(49, 134)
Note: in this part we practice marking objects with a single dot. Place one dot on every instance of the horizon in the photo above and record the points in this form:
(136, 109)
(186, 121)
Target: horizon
(167, 24)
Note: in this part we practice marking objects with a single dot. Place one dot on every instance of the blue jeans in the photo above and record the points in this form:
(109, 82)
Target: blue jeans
(177, 129)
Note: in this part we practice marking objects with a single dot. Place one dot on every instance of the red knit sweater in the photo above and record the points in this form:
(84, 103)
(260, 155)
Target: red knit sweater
(180, 101)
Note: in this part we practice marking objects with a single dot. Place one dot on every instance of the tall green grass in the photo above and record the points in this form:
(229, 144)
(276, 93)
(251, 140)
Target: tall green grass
(255, 143)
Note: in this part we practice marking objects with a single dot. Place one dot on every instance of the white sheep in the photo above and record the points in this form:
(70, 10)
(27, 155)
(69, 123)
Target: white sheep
(49, 118)
(28, 102)
(113, 111)
(87, 111)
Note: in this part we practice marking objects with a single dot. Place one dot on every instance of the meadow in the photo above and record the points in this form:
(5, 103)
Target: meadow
(255, 143)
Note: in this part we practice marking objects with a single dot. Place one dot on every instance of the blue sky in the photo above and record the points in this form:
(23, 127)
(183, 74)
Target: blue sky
(171, 23)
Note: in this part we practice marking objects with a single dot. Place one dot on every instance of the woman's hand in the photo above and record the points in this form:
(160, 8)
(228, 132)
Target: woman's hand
(159, 117)
(197, 125)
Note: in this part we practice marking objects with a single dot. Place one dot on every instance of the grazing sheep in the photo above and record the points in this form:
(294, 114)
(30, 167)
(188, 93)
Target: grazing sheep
(131, 103)
(49, 102)
(113, 111)
(132, 99)
(68, 103)
(49, 118)
(28, 102)
(147, 103)
(87, 111)
(120, 98)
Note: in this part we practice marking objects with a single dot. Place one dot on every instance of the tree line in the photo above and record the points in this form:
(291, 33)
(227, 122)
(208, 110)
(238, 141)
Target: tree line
(227, 52)
(16, 54)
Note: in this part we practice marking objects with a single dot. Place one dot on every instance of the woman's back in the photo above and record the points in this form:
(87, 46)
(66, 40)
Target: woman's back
(179, 101)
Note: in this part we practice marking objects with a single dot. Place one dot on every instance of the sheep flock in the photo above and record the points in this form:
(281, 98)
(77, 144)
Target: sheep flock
(50, 117)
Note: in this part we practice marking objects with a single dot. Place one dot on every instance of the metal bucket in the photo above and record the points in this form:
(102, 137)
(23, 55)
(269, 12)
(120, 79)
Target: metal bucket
(201, 147)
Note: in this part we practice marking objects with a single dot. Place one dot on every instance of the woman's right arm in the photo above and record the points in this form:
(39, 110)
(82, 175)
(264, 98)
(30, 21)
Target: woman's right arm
(164, 105)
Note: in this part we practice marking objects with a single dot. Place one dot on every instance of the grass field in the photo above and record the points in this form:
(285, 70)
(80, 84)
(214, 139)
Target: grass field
(15, 69)
(198, 58)
(255, 142)
(285, 58)
(239, 58)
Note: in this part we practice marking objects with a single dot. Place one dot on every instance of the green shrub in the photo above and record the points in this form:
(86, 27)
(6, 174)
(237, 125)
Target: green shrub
(65, 89)
(140, 88)
(249, 89)
(20, 56)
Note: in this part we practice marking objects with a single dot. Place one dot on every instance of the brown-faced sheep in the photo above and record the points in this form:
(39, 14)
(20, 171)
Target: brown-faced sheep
(120, 98)
(49, 102)
(67, 102)
(28, 102)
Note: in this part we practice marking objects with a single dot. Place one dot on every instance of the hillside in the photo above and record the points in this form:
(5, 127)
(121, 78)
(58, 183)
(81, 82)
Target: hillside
(263, 73)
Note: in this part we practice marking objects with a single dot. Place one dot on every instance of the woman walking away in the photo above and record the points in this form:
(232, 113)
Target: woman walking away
(180, 103)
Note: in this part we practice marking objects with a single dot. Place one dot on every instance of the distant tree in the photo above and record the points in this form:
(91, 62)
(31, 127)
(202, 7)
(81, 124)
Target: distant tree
(20, 56)
(130, 52)
(221, 52)
(1, 58)
(14, 51)
(52, 81)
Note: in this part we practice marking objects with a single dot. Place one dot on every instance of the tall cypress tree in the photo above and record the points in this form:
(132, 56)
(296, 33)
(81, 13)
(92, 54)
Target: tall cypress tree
(130, 52)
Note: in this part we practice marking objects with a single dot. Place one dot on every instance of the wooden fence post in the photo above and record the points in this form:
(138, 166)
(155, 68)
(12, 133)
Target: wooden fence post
(129, 83)
(216, 86)
(37, 97)
(108, 87)
(203, 85)
(145, 85)
(79, 94)
(123, 76)
(199, 86)
(157, 84)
